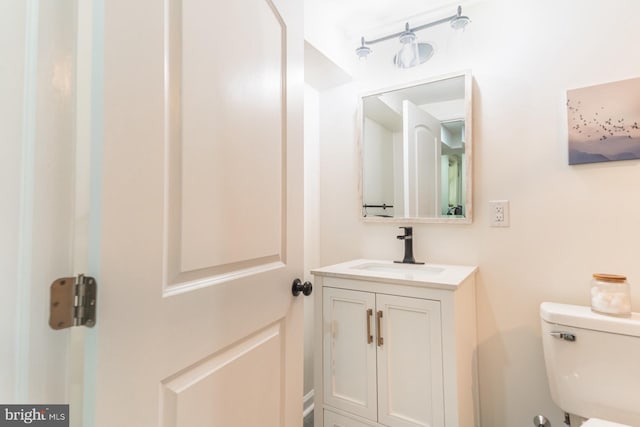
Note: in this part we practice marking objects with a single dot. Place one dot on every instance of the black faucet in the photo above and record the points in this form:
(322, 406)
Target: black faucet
(408, 246)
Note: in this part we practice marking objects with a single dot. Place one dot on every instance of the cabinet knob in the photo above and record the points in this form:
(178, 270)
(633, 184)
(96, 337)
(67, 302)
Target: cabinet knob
(297, 286)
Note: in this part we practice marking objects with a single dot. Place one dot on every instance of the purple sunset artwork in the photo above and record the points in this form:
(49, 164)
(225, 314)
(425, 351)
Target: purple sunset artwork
(604, 122)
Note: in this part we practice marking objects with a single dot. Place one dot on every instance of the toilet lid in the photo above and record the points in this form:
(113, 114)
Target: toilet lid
(595, 422)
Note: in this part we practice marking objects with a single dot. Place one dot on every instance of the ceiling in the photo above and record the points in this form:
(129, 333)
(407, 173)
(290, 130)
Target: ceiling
(386, 108)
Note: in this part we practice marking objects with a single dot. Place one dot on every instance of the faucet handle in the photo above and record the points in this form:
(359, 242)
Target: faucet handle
(408, 232)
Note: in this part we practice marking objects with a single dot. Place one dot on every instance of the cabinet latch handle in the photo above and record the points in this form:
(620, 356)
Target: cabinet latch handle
(379, 328)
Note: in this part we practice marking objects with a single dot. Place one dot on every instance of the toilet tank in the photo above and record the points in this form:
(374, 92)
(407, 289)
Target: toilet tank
(593, 362)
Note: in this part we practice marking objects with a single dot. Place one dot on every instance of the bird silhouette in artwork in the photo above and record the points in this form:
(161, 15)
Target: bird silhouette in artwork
(603, 129)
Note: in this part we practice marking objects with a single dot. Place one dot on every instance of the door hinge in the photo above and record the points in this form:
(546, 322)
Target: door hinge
(73, 302)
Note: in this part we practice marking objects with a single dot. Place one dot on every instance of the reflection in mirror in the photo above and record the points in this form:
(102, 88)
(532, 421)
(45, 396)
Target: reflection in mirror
(416, 152)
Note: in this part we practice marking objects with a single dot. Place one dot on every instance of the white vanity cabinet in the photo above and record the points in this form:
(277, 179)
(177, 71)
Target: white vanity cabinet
(393, 351)
(383, 357)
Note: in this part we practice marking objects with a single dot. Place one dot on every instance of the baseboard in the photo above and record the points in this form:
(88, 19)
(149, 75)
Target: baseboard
(307, 403)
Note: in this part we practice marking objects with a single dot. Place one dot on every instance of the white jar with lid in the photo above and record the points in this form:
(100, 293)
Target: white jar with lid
(610, 295)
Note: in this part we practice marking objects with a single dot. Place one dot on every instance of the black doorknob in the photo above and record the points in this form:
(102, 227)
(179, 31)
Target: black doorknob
(306, 288)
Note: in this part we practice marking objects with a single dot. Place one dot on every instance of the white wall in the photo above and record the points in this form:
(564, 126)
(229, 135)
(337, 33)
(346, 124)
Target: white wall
(567, 222)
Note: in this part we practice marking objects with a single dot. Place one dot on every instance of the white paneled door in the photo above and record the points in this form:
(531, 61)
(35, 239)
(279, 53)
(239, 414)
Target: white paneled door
(201, 233)
(421, 133)
(157, 146)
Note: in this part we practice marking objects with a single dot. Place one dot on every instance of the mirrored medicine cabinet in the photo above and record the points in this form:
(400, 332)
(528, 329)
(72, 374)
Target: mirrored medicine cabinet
(416, 152)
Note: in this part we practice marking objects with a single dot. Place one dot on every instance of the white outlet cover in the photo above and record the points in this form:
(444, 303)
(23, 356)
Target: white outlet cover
(499, 213)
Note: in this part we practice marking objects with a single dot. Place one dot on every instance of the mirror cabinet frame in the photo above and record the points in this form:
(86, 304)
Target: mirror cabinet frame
(468, 158)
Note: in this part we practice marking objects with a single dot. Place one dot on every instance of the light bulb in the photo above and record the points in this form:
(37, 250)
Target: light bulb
(408, 56)
(363, 51)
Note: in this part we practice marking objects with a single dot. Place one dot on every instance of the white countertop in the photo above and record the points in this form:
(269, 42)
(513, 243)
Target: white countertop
(440, 276)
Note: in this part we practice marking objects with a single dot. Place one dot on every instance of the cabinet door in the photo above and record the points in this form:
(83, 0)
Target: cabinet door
(349, 354)
(332, 419)
(410, 384)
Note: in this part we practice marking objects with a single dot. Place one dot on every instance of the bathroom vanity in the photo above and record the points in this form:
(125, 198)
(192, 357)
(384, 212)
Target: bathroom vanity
(395, 345)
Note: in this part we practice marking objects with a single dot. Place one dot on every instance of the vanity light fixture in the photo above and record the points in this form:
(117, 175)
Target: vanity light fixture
(412, 52)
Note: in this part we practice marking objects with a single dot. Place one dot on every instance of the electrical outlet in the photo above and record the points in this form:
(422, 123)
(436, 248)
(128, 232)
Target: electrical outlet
(499, 213)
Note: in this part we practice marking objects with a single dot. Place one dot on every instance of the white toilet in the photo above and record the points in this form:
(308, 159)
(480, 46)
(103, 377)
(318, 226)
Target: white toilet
(593, 364)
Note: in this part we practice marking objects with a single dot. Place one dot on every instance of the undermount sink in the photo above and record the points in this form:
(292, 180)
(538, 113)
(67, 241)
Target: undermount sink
(399, 267)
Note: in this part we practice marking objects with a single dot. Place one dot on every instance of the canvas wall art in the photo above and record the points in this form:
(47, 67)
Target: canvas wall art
(604, 122)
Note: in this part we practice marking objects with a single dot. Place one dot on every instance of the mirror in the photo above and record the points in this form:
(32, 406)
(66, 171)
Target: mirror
(416, 152)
